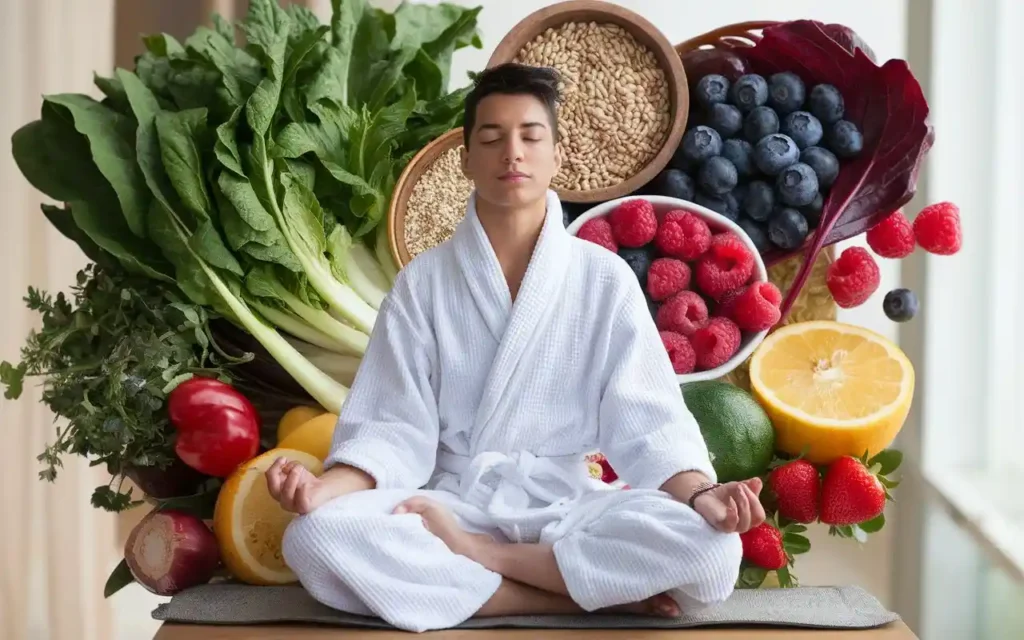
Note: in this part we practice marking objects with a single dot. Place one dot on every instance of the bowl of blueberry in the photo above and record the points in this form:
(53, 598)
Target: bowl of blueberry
(705, 282)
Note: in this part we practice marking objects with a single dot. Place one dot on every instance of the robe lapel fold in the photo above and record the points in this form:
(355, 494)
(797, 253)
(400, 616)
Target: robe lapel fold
(482, 272)
(534, 306)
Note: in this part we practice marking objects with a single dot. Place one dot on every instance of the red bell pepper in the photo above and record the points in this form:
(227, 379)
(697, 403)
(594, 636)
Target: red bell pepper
(218, 428)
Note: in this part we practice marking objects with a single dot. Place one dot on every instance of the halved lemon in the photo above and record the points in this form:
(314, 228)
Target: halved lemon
(249, 523)
(832, 389)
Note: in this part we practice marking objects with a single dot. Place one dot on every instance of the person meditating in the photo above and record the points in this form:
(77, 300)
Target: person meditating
(456, 484)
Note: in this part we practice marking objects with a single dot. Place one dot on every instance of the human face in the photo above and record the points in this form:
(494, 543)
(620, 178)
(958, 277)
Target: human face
(512, 156)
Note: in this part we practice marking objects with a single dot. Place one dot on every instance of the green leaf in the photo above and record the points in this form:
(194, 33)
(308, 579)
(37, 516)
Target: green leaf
(12, 377)
(240, 72)
(111, 139)
(240, 193)
(189, 275)
(207, 242)
(302, 48)
(119, 578)
(63, 221)
(267, 27)
(786, 580)
(888, 460)
(183, 136)
(751, 577)
(874, 525)
(135, 255)
(114, 91)
(199, 504)
(226, 147)
(303, 217)
(795, 543)
(163, 45)
(326, 138)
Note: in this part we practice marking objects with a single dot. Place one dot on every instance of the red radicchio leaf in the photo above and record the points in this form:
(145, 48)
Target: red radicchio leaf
(887, 105)
(701, 62)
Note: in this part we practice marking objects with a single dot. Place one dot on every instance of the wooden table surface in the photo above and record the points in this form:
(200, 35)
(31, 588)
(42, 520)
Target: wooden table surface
(895, 631)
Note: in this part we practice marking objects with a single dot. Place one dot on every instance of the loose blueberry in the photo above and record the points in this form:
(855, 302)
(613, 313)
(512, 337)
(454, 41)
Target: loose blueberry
(761, 122)
(900, 305)
(797, 185)
(759, 201)
(786, 92)
(844, 139)
(774, 153)
(725, 119)
(732, 205)
(757, 234)
(674, 184)
(717, 204)
(813, 211)
(717, 176)
(712, 89)
(639, 260)
(739, 194)
(826, 103)
(804, 128)
(749, 91)
(787, 228)
(741, 154)
(700, 143)
(824, 163)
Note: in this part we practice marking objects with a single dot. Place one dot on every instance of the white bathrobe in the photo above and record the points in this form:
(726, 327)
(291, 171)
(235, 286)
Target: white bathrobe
(490, 407)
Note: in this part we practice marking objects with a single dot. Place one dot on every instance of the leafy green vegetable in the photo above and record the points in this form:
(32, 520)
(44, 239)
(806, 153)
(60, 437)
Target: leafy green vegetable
(108, 357)
(250, 181)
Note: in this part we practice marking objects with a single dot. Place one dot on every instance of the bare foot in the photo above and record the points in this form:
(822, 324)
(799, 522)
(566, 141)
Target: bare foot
(661, 605)
(441, 522)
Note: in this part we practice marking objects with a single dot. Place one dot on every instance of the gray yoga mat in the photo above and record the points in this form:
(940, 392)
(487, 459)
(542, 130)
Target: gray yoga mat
(806, 607)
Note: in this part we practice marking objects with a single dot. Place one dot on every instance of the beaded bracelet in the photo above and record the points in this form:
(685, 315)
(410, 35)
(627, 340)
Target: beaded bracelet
(701, 489)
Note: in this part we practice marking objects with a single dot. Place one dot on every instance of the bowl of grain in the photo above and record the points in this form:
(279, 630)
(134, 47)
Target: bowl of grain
(625, 97)
(429, 199)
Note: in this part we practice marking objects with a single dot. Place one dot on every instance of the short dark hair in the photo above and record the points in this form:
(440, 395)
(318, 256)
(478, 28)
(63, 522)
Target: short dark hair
(512, 78)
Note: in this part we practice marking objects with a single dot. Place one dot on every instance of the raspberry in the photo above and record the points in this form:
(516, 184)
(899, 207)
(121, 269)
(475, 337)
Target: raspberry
(892, 237)
(853, 277)
(756, 308)
(634, 223)
(715, 343)
(683, 313)
(680, 351)
(938, 230)
(667, 277)
(598, 231)
(683, 235)
(727, 265)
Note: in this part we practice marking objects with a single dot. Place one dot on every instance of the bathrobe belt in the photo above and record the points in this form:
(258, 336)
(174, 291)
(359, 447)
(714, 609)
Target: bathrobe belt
(507, 485)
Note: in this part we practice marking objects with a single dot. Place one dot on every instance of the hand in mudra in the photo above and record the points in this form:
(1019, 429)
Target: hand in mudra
(732, 507)
(295, 487)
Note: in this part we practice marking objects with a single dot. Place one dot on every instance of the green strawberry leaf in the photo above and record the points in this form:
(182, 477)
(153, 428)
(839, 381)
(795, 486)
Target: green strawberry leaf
(887, 483)
(887, 460)
(786, 579)
(859, 534)
(795, 543)
(751, 577)
(874, 525)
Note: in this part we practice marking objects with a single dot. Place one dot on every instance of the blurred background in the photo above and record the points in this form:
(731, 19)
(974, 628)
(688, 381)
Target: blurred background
(950, 559)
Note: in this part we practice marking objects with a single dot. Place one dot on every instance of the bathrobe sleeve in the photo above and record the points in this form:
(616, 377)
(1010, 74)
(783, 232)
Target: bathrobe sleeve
(645, 429)
(389, 425)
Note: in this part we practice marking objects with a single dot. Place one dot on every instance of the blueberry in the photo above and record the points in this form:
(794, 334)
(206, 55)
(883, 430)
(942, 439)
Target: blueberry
(757, 234)
(749, 91)
(900, 305)
(712, 89)
(813, 211)
(804, 128)
(732, 205)
(786, 92)
(717, 176)
(787, 228)
(797, 185)
(741, 154)
(674, 184)
(759, 201)
(700, 143)
(718, 204)
(844, 139)
(739, 194)
(774, 153)
(761, 122)
(826, 103)
(725, 119)
(639, 260)
(824, 163)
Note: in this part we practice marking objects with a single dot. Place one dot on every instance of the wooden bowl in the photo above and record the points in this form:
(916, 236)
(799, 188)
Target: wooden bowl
(646, 34)
(406, 183)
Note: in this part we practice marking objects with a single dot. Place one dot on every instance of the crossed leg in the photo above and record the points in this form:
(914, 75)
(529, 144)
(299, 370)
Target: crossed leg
(532, 582)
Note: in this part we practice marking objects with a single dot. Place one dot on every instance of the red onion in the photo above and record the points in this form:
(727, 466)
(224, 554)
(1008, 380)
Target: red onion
(169, 551)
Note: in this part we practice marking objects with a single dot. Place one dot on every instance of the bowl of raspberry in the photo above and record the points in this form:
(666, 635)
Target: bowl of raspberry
(704, 280)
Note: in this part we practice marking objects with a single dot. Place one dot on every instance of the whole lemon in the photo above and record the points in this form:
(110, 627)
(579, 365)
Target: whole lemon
(313, 437)
(295, 418)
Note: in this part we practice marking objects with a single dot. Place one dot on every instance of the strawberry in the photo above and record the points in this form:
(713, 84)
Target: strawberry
(854, 492)
(762, 546)
(797, 487)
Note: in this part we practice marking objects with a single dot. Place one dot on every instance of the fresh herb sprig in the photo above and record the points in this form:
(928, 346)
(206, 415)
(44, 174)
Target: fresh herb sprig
(108, 356)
